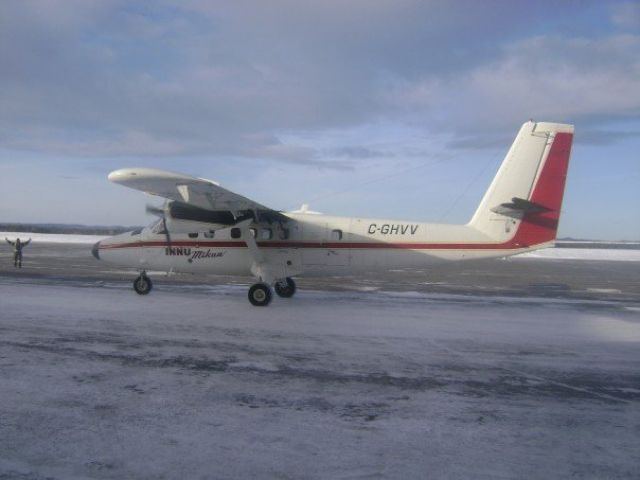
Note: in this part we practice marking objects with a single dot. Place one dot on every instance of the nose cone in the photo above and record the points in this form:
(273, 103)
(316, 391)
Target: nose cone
(95, 251)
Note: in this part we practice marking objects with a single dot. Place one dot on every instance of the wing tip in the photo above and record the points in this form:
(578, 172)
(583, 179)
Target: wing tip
(123, 174)
(118, 175)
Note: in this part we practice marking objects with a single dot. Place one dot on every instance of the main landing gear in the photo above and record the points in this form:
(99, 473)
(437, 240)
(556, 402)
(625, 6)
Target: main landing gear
(142, 285)
(260, 294)
(285, 288)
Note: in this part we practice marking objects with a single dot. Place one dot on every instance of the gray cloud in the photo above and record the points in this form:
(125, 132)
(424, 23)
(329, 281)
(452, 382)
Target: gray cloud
(201, 78)
(626, 15)
(545, 78)
(359, 152)
(476, 142)
(603, 138)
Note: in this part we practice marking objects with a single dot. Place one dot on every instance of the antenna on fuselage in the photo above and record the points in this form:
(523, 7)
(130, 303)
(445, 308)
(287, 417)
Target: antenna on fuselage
(304, 209)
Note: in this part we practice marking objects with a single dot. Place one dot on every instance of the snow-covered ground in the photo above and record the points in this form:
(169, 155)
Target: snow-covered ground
(52, 237)
(600, 254)
(193, 382)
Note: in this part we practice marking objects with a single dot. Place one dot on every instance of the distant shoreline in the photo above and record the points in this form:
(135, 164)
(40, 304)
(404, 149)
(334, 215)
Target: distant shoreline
(563, 249)
(591, 244)
(60, 228)
(65, 229)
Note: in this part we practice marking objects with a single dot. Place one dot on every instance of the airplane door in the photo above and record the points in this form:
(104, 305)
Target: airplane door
(323, 245)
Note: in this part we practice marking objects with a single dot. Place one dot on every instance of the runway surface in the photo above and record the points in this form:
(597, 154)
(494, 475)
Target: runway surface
(526, 368)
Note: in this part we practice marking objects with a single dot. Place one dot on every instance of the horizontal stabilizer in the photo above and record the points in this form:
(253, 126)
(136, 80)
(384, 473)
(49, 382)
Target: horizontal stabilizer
(518, 207)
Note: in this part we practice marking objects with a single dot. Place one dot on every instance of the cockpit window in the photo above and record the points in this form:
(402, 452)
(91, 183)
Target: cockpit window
(137, 231)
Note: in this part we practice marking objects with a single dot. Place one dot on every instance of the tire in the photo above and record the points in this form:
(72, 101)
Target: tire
(260, 295)
(142, 285)
(285, 288)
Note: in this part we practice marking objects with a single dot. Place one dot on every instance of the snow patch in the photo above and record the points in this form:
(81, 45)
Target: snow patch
(606, 254)
(53, 237)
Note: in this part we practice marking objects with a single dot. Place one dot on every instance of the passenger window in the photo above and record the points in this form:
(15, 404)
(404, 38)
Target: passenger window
(209, 234)
(336, 234)
(193, 235)
(236, 232)
(266, 234)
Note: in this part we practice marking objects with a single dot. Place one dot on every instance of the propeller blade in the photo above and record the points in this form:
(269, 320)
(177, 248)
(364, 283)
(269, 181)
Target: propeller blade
(162, 213)
(166, 230)
(153, 210)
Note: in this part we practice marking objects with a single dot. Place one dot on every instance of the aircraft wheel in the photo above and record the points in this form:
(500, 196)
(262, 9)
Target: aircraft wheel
(260, 295)
(285, 288)
(142, 285)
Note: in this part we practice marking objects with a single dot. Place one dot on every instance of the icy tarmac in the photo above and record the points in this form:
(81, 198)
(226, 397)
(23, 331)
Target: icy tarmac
(349, 379)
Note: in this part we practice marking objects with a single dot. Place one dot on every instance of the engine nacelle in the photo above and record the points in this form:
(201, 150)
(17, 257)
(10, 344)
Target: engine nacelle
(184, 218)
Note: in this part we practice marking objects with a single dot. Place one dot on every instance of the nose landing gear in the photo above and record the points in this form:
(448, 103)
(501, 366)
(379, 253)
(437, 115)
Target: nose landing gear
(142, 285)
(260, 295)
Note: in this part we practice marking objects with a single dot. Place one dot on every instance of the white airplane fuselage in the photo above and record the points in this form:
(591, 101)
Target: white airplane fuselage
(314, 245)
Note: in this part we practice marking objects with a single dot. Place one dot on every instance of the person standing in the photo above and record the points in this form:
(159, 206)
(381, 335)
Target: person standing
(17, 250)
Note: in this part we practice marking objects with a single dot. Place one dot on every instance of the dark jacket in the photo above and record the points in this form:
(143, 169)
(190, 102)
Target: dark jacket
(18, 245)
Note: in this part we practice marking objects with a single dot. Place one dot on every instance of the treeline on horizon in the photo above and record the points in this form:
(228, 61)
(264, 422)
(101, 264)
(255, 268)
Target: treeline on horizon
(65, 228)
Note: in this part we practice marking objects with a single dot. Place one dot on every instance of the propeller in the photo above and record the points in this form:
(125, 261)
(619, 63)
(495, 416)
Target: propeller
(153, 210)
(162, 213)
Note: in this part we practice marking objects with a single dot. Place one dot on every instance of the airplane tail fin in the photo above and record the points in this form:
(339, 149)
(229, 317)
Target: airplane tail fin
(522, 205)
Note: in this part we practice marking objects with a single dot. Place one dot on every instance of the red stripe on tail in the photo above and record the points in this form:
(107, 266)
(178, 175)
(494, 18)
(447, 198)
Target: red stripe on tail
(542, 227)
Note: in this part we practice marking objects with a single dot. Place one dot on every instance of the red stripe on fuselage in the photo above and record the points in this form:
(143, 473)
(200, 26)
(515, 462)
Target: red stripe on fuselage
(331, 246)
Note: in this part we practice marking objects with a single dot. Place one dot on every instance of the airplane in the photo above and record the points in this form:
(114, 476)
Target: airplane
(205, 228)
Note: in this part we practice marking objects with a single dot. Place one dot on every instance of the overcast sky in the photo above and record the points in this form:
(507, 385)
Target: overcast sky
(392, 108)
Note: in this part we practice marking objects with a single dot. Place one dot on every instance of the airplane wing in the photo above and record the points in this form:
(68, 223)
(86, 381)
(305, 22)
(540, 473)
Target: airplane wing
(196, 192)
